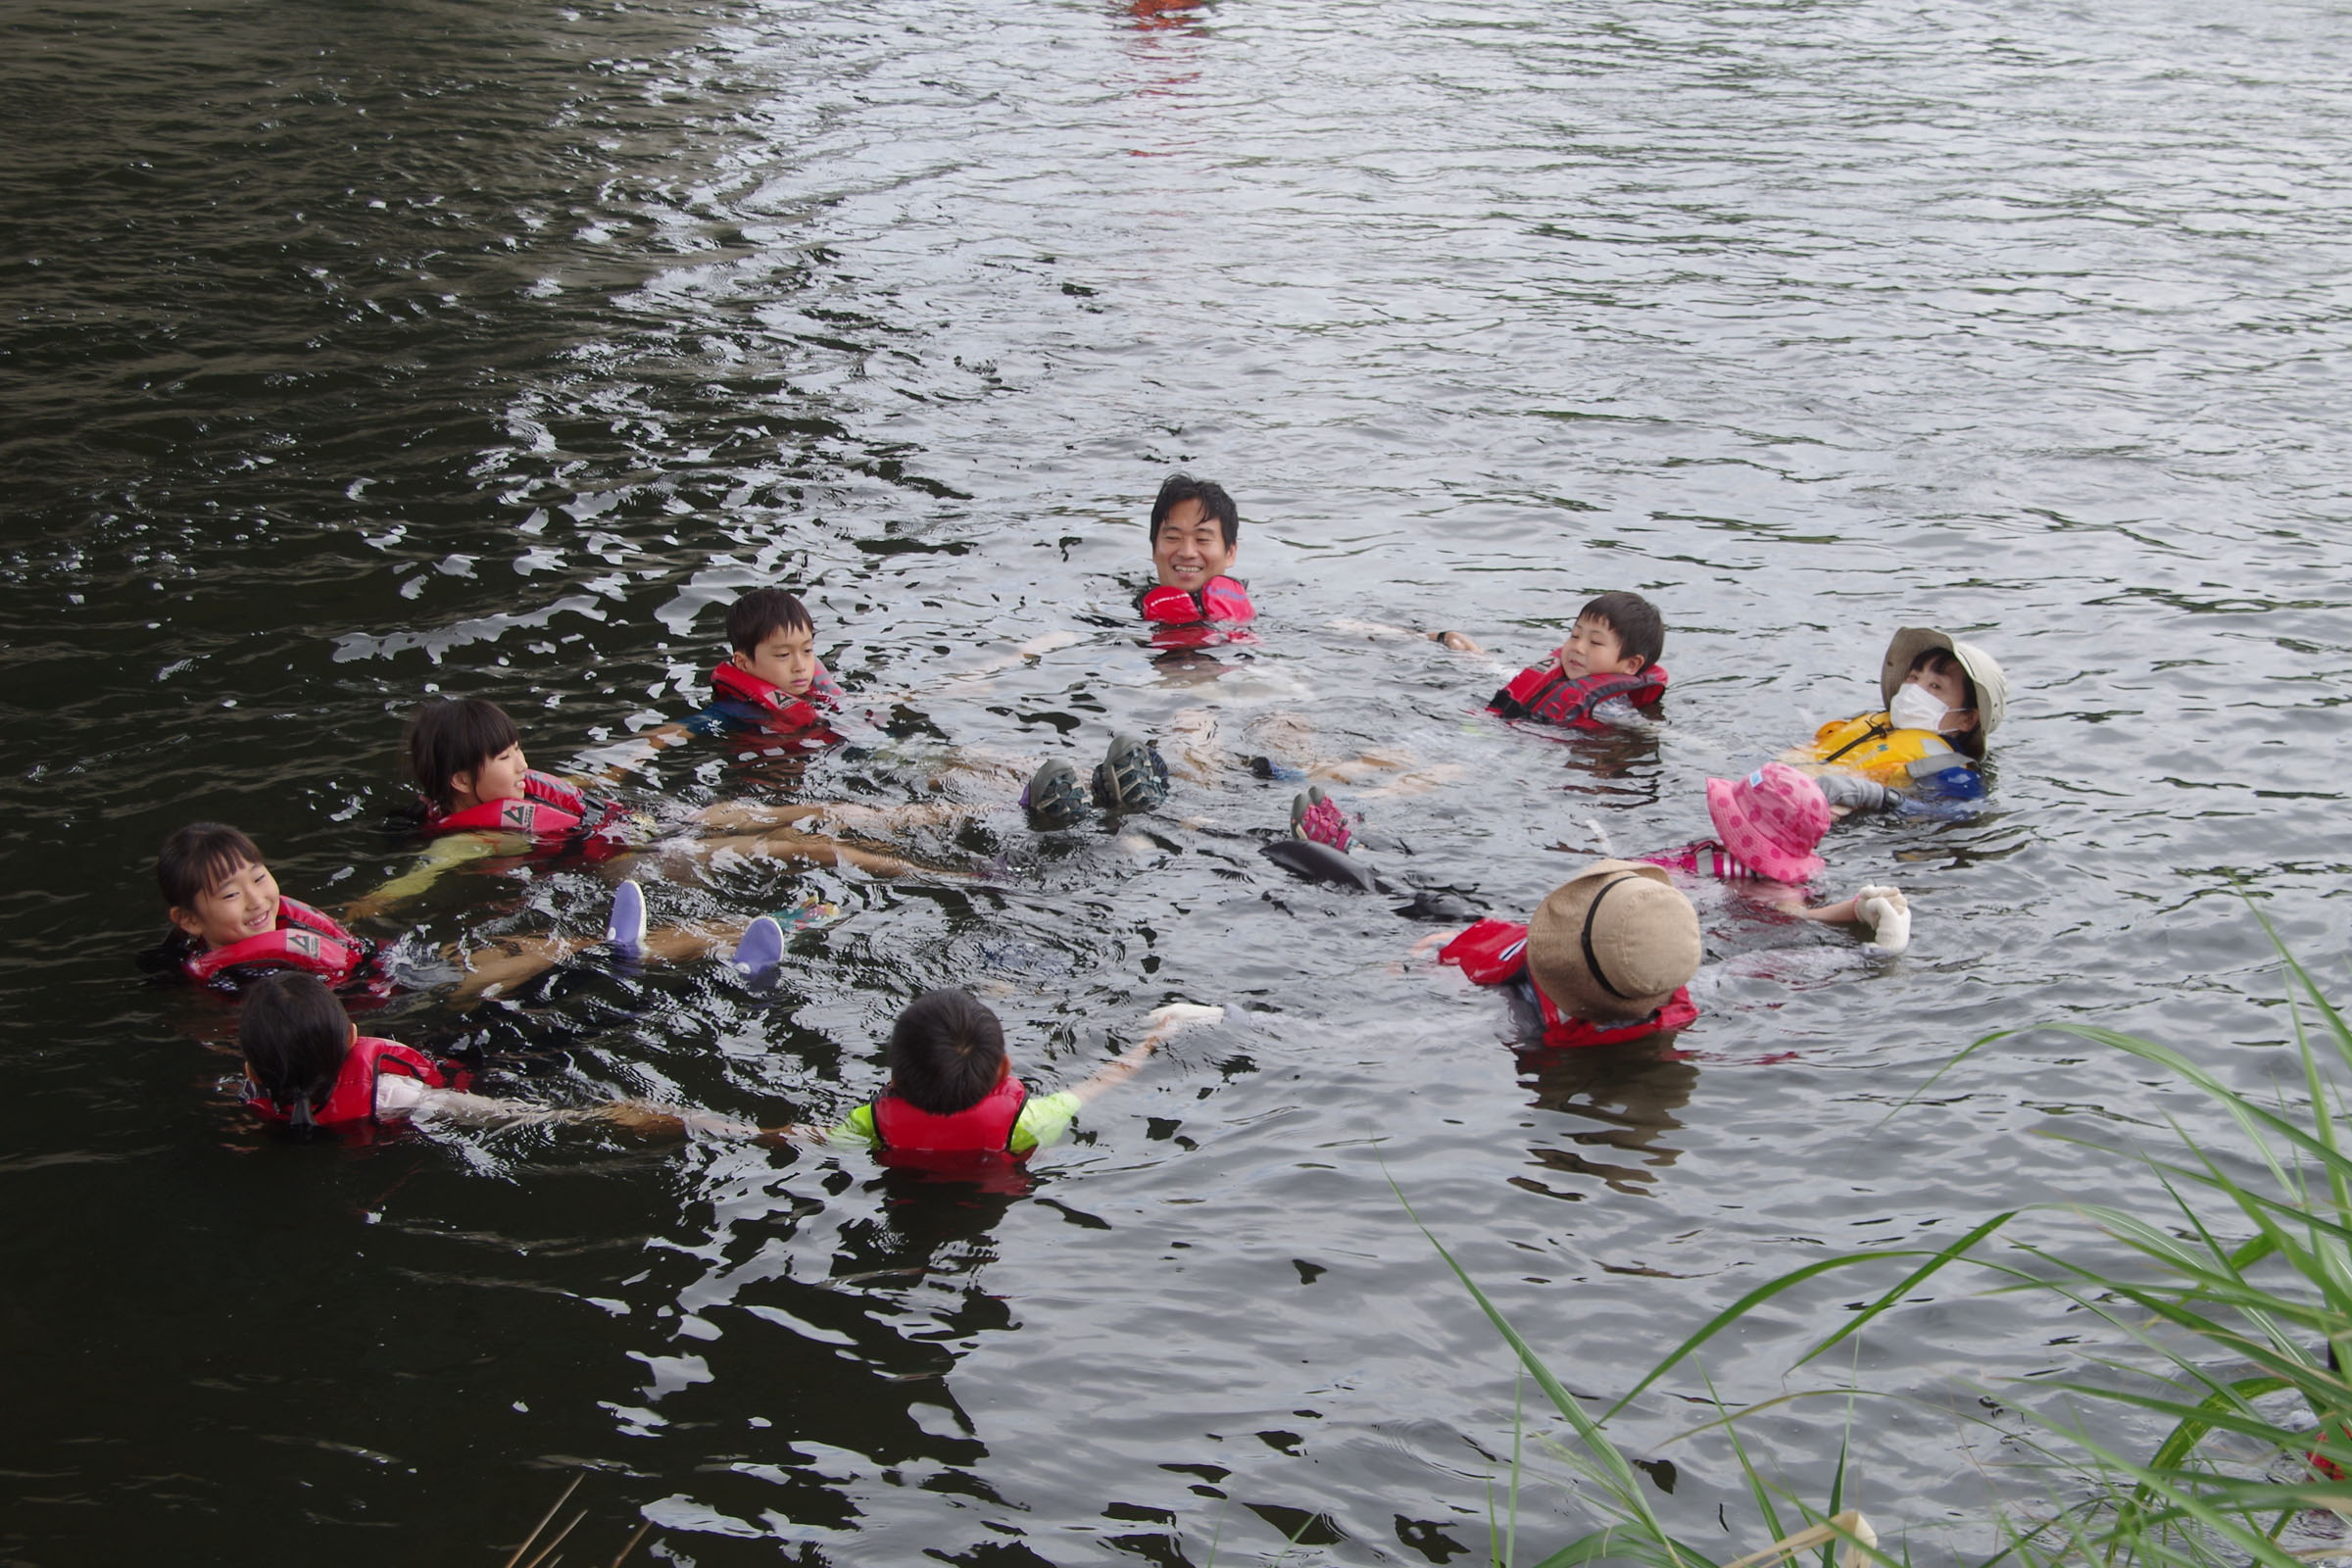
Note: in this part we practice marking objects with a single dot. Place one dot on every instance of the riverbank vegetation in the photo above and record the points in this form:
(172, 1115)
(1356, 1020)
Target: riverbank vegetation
(2208, 1424)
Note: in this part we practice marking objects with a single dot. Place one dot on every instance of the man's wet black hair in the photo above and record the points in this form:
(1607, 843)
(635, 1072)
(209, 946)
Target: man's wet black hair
(195, 858)
(947, 1051)
(761, 614)
(448, 738)
(1638, 627)
(1182, 487)
(294, 1034)
(1969, 741)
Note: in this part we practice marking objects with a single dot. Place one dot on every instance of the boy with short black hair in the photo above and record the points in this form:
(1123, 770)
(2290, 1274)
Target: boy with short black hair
(773, 679)
(1605, 668)
(952, 1091)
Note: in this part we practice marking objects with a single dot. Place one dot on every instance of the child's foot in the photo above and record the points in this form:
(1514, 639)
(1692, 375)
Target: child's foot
(1314, 818)
(1887, 913)
(624, 927)
(1053, 799)
(1131, 776)
(762, 948)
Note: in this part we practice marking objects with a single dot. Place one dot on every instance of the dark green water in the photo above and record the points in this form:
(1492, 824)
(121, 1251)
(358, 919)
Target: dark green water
(356, 352)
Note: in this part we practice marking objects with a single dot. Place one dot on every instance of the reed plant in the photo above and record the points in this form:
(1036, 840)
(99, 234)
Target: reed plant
(2218, 1413)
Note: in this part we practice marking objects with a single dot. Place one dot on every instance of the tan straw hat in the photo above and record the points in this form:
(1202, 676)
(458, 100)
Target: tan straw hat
(1617, 941)
(1993, 687)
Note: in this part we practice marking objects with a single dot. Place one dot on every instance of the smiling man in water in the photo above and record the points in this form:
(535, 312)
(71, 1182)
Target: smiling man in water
(1195, 532)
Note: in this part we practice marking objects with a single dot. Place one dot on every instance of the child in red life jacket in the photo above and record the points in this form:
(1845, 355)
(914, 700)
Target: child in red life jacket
(309, 1065)
(230, 923)
(306, 1062)
(953, 1092)
(771, 689)
(1767, 825)
(1606, 667)
(466, 759)
(1195, 533)
(1608, 955)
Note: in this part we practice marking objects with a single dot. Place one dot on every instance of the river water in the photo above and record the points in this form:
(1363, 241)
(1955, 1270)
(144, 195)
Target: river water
(356, 353)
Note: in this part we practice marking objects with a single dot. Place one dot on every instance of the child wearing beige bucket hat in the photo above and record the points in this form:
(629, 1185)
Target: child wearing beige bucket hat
(1608, 955)
(1942, 699)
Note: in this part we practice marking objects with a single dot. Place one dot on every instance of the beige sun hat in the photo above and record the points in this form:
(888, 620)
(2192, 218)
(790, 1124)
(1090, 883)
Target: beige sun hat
(1993, 687)
(1615, 941)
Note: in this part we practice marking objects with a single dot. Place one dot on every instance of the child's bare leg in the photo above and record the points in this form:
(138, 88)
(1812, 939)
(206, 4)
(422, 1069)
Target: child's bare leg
(742, 817)
(804, 849)
(510, 962)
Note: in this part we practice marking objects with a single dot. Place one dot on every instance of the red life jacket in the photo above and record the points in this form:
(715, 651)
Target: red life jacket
(733, 683)
(987, 1125)
(1220, 599)
(303, 939)
(548, 808)
(1543, 693)
(354, 1095)
(1494, 953)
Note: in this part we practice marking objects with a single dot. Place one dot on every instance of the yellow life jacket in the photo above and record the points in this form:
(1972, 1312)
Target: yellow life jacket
(1869, 744)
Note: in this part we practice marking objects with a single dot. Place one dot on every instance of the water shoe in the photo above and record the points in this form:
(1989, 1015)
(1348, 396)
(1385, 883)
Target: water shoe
(1052, 798)
(762, 948)
(1131, 776)
(1315, 819)
(624, 927)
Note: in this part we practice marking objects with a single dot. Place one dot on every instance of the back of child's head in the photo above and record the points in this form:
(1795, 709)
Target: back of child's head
(947, 1051)
(1215, 502)
(294, 1035)
(195, 859)
(761, 614)
(1968, 742)
(1640, 630)
(448, 738)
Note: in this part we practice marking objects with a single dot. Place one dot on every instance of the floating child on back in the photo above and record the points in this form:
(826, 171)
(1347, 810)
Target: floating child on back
(466, 759)
(308, 1065)
(230, 922)
(1605, 668)
(1767, 825)
(1943, 698)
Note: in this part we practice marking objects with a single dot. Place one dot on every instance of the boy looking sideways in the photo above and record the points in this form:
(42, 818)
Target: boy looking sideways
(773, 679)
(1605, 668)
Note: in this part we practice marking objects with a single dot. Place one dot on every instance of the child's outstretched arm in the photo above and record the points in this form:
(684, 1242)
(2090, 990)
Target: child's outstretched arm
(1167, 1022)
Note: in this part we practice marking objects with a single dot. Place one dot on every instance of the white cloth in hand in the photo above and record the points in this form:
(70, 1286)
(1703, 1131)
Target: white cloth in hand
(1888, 915)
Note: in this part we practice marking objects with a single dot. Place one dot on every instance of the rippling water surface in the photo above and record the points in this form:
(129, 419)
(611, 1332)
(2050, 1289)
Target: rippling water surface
(356, 353)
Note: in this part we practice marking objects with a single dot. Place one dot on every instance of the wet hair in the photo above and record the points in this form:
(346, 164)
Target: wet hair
(1638, 627)
(1969, 741)
(294, 1035)
(761, 614)
(448, 738)
(195, 858)
(1182, 487)
(947, 1051)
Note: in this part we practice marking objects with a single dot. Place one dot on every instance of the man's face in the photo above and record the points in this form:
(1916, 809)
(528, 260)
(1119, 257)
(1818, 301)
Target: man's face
(785, 658)
(1191, 548)
(240, 903)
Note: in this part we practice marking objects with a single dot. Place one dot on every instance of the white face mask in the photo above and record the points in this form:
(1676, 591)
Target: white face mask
(1916, 707)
